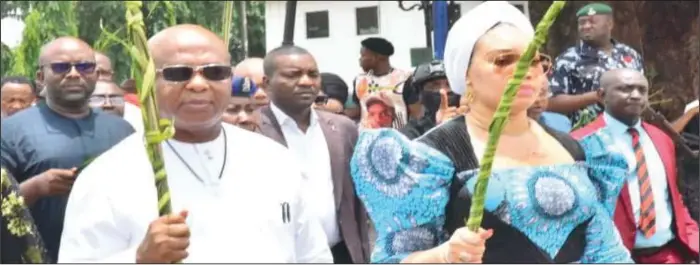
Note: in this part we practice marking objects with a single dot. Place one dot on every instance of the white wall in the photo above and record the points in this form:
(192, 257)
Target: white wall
(340, 52)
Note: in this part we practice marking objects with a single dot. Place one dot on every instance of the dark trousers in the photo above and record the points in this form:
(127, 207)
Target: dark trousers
(341, 255)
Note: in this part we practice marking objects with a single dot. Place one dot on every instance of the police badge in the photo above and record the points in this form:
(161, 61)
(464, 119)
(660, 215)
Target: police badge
(245, 87)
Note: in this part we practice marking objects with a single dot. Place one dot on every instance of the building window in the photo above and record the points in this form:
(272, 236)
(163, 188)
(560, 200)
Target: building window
(367, 19)
(317, 25)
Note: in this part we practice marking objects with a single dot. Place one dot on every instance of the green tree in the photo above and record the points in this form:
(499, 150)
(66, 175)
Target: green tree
(45, 21)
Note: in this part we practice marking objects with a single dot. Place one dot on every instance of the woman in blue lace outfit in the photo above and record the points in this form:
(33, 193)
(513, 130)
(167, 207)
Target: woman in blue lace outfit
(549, 198)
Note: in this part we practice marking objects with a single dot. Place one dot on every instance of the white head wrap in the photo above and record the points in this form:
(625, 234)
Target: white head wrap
(469, 28)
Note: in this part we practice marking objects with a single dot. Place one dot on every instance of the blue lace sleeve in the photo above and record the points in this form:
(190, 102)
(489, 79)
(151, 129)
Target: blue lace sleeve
(604, 244)
(405, 187)
(607, 168)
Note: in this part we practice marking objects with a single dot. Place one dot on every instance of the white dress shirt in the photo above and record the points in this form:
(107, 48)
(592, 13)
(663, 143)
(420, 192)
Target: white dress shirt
(311, 150)
(657, 176)
(234, 219)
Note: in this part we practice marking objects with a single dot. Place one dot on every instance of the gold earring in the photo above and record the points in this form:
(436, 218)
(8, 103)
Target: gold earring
(470, 97)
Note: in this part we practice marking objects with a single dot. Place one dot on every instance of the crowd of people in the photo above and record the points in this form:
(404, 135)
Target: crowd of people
(275, 161)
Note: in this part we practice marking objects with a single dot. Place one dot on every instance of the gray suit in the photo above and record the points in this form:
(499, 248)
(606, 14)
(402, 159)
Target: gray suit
(341, 135)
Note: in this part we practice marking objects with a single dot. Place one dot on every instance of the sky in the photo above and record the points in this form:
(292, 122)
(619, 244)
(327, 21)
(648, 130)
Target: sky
(11, 31)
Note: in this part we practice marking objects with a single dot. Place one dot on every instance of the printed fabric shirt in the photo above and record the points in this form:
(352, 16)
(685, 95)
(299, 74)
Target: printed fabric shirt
(367, 84)
(578, 70)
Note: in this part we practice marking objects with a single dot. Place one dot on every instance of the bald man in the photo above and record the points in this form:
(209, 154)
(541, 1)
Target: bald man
(253, 68)
(653, 222)
(47, 145)
(104, 67)
(228, 206)
(108, 97)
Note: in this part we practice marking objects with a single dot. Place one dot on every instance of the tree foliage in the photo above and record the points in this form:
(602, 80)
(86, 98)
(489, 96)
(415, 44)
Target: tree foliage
(46, 20)
(666, 34)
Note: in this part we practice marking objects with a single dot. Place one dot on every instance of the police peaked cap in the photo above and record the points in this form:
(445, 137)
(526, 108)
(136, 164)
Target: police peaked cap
(594, 9)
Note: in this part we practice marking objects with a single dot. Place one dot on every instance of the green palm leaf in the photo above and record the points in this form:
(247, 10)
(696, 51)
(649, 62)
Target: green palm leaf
(226, 22)
(476, 213)
(157, 129)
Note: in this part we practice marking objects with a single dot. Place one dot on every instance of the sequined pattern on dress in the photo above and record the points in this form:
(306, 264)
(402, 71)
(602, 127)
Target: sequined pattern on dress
(545, 203)
(404, 186)
(541, 200)
(611, 170)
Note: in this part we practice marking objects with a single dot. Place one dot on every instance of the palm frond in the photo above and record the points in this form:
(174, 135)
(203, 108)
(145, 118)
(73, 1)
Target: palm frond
(227, 22)
(157, 129)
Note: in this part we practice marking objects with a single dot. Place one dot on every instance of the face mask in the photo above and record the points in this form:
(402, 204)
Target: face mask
(431, 101)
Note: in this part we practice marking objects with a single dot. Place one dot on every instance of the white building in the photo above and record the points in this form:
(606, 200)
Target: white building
(332, 30)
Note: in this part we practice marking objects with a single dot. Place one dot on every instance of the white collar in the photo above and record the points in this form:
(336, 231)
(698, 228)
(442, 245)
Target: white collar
(283, 118)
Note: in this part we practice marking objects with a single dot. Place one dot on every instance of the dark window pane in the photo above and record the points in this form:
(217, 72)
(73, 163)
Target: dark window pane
(317, 24)
(367, 19)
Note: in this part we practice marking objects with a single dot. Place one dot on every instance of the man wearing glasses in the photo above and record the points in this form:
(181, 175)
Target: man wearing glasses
(108, 97)
(229, 205)
(46, 146)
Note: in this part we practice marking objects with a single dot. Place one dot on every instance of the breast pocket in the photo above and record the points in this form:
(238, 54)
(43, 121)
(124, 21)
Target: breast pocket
(276, 226)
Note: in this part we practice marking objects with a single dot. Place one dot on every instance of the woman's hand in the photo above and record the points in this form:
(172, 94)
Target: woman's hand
(466, 246)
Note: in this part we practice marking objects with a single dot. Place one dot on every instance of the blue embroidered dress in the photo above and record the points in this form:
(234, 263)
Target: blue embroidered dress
(417, 193)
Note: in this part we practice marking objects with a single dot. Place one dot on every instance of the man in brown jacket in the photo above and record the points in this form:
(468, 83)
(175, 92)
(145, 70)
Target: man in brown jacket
(323, 143)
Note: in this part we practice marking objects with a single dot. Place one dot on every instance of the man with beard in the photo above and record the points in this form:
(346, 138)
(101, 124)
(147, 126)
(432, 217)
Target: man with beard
(577, 71)
(323, 143)
(439, 102)
(108, 97)
(45, 146)
(229, 205)
(18, 93)
(650, 215)
(253, 68)
(242, 110)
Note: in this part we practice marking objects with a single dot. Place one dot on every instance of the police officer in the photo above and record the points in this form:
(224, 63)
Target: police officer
(575, 81)
(439, 102)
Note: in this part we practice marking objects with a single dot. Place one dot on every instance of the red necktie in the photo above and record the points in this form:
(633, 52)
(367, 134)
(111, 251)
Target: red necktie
(647, 216)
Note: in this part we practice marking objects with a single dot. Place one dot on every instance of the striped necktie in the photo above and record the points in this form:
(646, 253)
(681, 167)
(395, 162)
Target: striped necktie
(647, 215)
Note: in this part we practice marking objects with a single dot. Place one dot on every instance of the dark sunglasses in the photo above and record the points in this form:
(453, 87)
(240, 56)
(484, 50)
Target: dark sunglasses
(321, 99)
(182, 73)
(65, 67)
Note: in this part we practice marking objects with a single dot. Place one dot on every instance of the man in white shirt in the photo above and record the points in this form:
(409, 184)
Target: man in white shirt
(228, 206)
(323, 143)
